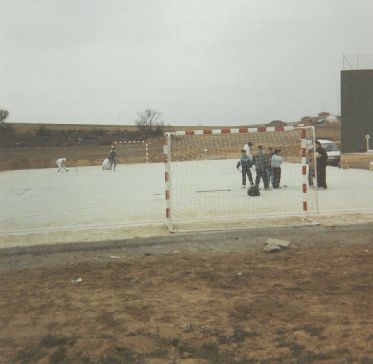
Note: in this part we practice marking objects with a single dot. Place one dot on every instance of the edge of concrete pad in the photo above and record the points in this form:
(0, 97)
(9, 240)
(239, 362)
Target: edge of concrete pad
(179, 238)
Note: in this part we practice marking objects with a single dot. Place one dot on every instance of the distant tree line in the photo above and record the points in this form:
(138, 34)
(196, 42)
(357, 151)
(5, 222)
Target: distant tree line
(43, 136)
(148, 126)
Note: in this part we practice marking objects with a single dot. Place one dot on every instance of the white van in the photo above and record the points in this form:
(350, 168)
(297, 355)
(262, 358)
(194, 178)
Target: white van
(334, 154)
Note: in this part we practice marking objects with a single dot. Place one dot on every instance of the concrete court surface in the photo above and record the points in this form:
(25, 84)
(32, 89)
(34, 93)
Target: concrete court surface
(88, 204)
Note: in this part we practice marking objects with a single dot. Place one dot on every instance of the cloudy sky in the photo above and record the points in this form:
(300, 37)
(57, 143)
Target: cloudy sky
(217, 62)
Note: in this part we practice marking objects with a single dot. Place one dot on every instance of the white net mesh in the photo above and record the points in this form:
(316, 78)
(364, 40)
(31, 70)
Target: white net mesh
(131, 152)
(206, 185)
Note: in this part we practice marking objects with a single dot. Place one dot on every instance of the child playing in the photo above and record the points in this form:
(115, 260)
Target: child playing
(311, 167)
(106, 164)
(112, 159)
(61, 164)
(246, 164)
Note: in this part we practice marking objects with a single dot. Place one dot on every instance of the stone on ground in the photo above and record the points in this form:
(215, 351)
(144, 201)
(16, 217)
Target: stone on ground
(275, 245)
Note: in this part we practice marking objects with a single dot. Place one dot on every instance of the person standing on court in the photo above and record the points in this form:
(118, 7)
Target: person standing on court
(245, 163)
(311, 167)
(322, 158)
(261, 165)
(276, 162)
(248, 146)
(269, 168)
(112, 159)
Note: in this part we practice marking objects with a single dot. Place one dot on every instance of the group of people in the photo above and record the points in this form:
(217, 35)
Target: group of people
(268, 166)
(108, 163)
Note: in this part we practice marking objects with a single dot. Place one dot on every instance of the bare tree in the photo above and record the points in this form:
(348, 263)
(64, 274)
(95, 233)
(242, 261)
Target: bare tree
(149, 122)
(8, 135)
(3, 115)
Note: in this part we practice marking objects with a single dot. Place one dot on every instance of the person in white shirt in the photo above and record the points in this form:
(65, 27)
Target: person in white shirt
(248, 147)
(276, 162)
(106, 164)
(61, 164)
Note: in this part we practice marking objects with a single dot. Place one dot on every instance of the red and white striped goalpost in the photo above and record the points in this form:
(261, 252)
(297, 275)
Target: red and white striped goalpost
(303, 154)
(135, 142)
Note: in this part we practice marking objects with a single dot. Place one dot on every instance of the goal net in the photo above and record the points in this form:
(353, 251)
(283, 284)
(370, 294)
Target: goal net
(204, 186)
(132, 151)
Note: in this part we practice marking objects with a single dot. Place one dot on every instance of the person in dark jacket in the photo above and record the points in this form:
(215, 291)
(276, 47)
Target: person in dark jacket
(269, 168)
(322, 158)
(245, 163)
(112, 159)
(261, 166)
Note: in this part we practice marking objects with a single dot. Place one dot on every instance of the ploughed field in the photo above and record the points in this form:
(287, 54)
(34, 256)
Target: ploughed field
(77, 156)
(216, 301)
(92, 155)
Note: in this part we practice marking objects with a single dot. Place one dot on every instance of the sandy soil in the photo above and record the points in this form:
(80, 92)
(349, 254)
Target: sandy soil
(92, 155)
(77, 156)
(207, 298)
(357, 160)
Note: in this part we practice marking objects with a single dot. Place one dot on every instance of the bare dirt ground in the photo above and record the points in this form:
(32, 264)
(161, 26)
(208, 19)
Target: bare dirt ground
(356, 160)
(77, 156)
(207, 298)
(93, 155)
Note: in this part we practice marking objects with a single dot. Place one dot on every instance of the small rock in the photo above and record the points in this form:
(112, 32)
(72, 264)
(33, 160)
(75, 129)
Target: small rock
(239, 274)
(284, 244)
(271, 249)
(77, 280)
(176, 252)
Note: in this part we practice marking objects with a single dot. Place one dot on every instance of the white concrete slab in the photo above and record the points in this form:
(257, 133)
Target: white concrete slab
(34, 200)
(40, 206)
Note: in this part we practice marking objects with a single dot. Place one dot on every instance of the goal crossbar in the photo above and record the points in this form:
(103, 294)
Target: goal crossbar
(132, 142)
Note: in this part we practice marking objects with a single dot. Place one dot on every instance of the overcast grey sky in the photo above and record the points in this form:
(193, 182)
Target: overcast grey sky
(229, 62)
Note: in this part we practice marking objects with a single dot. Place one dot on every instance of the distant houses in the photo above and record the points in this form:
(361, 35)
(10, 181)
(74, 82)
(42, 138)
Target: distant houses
(323, 118)
(277, 123)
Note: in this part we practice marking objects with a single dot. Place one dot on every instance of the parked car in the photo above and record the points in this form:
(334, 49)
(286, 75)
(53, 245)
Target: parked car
(334, 154)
